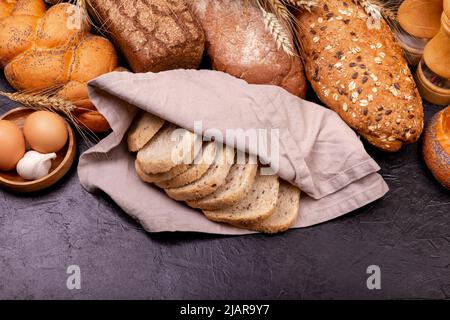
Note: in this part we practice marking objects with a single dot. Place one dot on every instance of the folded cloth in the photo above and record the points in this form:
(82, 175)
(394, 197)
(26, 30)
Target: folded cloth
(317, 151)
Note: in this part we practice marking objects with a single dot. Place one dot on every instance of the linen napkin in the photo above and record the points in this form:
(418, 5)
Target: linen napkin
(317, 151)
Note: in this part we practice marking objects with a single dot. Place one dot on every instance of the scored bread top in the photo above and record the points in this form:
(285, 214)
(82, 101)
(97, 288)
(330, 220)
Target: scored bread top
(258, 205)
(358, 70)
(144, 128)
(170, 147)
(210, 181)
(196, 170)
(238, 183)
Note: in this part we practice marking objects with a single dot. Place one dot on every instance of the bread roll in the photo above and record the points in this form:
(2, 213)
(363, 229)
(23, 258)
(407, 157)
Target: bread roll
(358, 70)
(436, 146)
(238, 43)
(46, 49)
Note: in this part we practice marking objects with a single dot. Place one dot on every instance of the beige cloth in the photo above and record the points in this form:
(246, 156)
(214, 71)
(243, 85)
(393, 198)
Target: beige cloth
(318, 152)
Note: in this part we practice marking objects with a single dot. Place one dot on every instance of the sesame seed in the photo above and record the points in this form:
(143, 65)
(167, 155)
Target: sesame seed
(316, 39)
(363, 103)
(345, 107)
(352, 85)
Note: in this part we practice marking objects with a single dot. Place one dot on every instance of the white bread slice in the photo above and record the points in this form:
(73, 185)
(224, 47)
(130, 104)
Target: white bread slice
(144, 128)
(170, 147)
(285, 214)
(210, 181)
(157, 177)
(238, 183)
(195, 171)
(258, 205)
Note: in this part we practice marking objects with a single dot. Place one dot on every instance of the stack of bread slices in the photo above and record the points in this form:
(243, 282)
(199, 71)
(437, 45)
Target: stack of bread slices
(226, 185)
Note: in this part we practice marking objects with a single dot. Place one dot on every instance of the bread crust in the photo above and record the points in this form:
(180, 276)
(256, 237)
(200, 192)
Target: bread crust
(436, 146)
(360, 73)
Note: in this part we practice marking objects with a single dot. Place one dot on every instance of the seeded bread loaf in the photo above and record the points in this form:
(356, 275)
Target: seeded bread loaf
(195, 171)
(285, 214)
(258, 205)
(209, 182)
(237, 43)
(358, 70)
(238, 183)
(153, 35)
(143, 130)
(170, 147)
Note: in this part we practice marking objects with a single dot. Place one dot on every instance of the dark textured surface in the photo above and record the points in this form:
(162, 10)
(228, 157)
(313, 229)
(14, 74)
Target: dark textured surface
(407, 234)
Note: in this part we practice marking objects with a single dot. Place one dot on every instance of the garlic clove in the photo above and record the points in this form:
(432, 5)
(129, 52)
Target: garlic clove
(35, 165)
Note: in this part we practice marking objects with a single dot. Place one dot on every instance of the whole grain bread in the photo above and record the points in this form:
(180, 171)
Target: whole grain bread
(209, 182)
(285, 214)
(195, 171)
(153, 35)
(237, 43)
(158, 177)
(144, 128)
(170, 147)
(238, 183)
(357, 69)
(258, 205)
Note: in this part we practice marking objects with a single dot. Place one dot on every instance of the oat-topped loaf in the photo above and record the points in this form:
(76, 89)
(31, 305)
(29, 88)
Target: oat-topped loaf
(358, 70)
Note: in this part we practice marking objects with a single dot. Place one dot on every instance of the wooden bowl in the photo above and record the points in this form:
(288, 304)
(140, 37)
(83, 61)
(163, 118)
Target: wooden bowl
(11, 180)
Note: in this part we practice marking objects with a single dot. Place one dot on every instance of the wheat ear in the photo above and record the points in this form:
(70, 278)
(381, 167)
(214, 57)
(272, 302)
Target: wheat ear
(303, 4)
(278, 32)
(280, 10)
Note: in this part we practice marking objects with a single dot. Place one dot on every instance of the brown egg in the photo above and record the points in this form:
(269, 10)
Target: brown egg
(45, 131)
(12, 145)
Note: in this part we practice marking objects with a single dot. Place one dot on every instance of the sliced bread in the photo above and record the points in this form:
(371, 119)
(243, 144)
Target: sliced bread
(238, 183)
(258, 205)
(170, 147)
(285, 214)
(157, 177)
(209, 182)
(144, 128)
(196, 170)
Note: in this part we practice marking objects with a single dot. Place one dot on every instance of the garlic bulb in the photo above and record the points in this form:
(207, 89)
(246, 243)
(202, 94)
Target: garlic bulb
(35, 165)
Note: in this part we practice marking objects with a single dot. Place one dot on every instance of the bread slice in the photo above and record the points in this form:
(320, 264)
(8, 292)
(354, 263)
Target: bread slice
(258, 205)
(144, 128)
(285, 214)
(209, 182)
(171, 147)
(238, 183)
(157, 177)
(195, 171)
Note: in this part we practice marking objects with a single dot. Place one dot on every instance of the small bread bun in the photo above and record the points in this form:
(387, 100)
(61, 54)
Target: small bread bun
(436, 146)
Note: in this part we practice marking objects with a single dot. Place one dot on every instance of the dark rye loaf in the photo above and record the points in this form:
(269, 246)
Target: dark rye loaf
(153, 35)
(360, 73)
(237, 43)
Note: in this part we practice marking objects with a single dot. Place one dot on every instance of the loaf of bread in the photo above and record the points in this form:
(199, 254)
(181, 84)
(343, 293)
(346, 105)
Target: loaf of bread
(436, 146)
(216, 182)
(238, 43)
(357, 69)
(153, 35)
(53, 49)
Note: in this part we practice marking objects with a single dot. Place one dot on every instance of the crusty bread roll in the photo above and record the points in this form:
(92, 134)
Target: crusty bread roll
(42, 49)
(436, 146)
(358, 70)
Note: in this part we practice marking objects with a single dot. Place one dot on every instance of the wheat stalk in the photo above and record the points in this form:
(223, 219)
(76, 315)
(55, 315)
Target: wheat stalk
(53, 104)
(303, 4)
(278, 32)
(279, 8)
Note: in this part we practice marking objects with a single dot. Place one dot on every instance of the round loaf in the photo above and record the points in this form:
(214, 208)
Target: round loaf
(436, 146)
